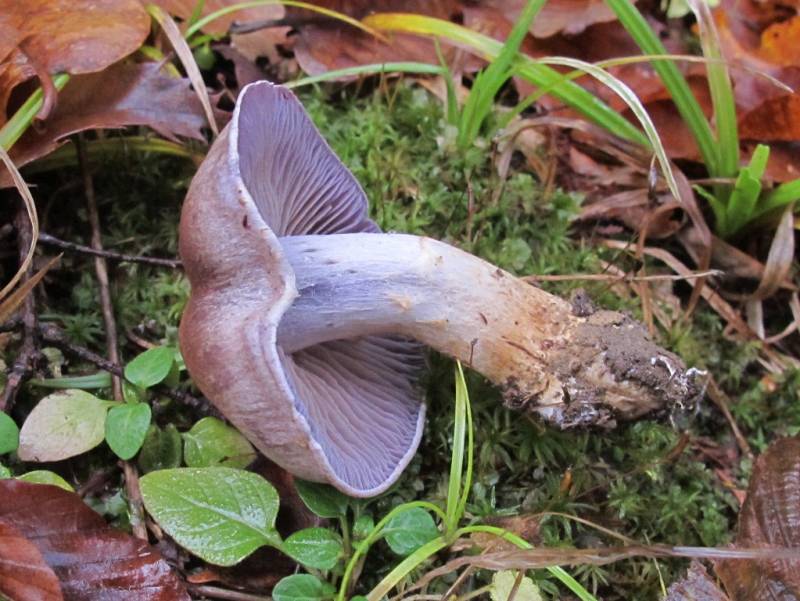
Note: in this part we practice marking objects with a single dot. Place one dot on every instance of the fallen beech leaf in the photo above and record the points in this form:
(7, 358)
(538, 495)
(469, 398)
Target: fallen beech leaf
(559, 16)
(93, 561)
(69, 36)
(697, 585)
(774, 120)
(779, 42)
(263, 42)
(24, 575)
(769, 517)
(125, 94)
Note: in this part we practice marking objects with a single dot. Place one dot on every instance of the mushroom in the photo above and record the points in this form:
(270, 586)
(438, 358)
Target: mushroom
(304, 322)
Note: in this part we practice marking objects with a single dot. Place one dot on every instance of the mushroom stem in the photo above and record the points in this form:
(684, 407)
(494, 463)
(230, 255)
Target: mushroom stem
(571, 369)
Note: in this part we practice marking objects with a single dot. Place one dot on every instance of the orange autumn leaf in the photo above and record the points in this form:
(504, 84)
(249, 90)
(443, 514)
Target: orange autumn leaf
(41, 37)
(779, 43)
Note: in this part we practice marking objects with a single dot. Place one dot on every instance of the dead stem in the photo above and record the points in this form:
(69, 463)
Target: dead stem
(131, 476)
(107, 254)
(28, 353)
(216, 592)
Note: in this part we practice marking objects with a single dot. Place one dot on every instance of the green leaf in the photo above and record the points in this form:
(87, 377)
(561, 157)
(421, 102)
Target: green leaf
(314, 548)
(151, 367)
(408, 531)
(46, 477)
(212, 442)
(220, 514)
(62, 425)
(4, 472)
(323, 500)
(101, 379)
(503, 583)
(302, 587)
(161, 449)
(9, 434)
(126, 428)
(363, 526)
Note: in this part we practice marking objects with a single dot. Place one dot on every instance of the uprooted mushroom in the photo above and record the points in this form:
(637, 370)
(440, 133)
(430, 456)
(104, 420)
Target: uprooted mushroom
(304, 320)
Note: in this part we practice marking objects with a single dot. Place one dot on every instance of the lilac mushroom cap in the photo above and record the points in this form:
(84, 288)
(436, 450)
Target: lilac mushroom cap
(346, 412)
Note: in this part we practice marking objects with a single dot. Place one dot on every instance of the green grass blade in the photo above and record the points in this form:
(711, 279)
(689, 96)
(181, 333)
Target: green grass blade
(457, 457)
(719, 84)
(742, 202)
(676, 84)
(540, 75)
(371, 69)
(489, 81)
(783, 195)
(467, 486)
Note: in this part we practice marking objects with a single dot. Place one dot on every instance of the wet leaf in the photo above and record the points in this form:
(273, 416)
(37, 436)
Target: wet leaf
(9, 434)
(314, 548)
(69, 36)
(557, 16)
(161, 449)
(220, 514)
(126, 427)
(325, 501)
(46, 477)
(124, 94)
(24, 575)
(302, 587)
(63, 424)
(150, 367)
(769, 517)
(91, 560)
(408, 531)
(212, 442)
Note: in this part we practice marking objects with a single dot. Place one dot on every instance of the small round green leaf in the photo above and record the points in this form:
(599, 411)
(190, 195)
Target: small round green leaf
(325, 501)
(46, 477)
(126, 427)
(212, 442)
(504, 583)
(408, 531)
(151, 367)
(4, 472)
(161, 449)
(363, 526)
(302, 587)
(314, 548)
(62, 425)
(9, 434)
(220, 514)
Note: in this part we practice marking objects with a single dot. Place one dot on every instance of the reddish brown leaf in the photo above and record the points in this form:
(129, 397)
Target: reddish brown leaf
(24, 575)
(252, 45)
(769, 517)
(559, 16)
(774, 120)
(696, 586)
(92, 560)
(69, 36)
(124, 94)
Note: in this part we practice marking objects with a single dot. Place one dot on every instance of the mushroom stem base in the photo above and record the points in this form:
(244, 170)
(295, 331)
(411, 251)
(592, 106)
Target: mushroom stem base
(572, 369)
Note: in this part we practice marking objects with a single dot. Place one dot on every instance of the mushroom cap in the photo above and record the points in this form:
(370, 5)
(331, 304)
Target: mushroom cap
(345, 412)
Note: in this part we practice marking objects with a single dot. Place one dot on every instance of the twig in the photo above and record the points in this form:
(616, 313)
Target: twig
(28, 352)
(135, 502)
(52, 334)
(223, 593)
(107, 254)
(602, 277)
(721, 400)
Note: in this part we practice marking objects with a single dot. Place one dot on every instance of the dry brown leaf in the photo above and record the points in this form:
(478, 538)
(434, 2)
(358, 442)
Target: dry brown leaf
(24, 575)
(697, 585)
(69, 36)
(558, 16)
(124, 94)
(769, 517)
(263, 42)
(12, 302)
(93, 561)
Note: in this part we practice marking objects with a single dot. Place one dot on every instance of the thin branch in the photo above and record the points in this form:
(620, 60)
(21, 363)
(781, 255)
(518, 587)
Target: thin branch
(216, 592)
(603, 277)
(107, 254)
(53, 335)
(28, 352)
